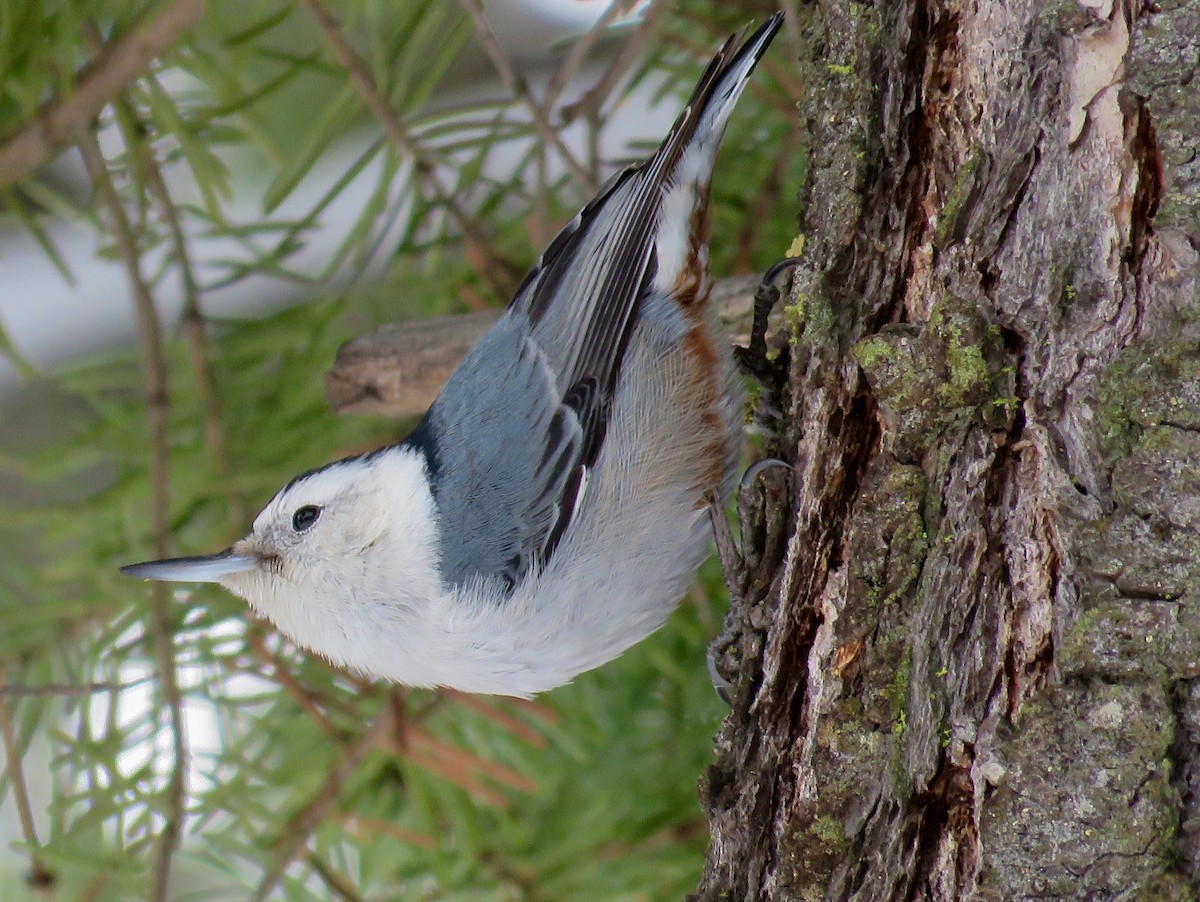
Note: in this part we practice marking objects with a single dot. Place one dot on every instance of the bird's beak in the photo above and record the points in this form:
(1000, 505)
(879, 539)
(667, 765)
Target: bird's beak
(204, 568)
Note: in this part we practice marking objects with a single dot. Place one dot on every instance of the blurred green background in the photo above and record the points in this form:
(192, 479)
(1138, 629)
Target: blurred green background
(160, 744)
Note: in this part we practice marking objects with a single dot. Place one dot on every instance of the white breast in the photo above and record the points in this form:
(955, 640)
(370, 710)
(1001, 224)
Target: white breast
(630, 553)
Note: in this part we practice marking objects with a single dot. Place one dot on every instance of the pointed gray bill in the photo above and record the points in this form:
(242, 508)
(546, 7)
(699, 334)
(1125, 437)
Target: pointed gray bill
(203, 568)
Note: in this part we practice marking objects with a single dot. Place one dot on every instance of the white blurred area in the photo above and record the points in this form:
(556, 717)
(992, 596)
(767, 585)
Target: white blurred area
(52, 321)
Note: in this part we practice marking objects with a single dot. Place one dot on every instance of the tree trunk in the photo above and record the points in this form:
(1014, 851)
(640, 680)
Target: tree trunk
(967, 640)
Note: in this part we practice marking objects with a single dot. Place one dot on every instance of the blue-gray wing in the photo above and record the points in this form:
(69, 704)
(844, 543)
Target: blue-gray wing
(513, 433)
(505, 453)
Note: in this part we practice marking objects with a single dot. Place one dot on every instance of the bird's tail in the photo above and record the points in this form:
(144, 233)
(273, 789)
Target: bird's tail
(686, 156)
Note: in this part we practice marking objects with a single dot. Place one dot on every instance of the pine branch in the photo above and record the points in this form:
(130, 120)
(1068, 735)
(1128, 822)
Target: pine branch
(154, 367)
(193, 318)
(66, 690)
(118, 62)
(592, 101)
(302, 824)
(425, 167)
(283, 676)
(135, 132)
(363, 827)
(500, 718)
(461, 763)
(519, 88)
(40, 877)
(570, 65)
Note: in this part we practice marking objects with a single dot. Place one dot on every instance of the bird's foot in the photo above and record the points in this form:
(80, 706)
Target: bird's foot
(733, 567)
(721, 656)
(753, 358)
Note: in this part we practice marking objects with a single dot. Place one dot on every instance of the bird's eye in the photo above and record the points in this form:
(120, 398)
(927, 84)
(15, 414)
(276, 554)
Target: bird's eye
(305, 517)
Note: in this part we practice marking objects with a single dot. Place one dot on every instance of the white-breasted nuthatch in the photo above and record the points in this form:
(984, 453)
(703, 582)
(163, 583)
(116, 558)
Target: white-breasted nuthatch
(550, 508)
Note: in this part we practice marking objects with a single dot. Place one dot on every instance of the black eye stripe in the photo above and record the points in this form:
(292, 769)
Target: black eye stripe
(305, 517)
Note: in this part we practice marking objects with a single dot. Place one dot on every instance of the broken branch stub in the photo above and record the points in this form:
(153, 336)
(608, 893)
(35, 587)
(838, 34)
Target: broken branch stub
(398, 369)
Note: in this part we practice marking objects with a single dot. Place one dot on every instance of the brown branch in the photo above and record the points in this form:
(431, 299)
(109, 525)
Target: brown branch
(519, 88)
(791, 27)
(118, 62)
(302, 824)
(463, 779)
(398, 369)
(40, 877)
(533, 708)
(154, 367)
(425, 167)
(193, 321)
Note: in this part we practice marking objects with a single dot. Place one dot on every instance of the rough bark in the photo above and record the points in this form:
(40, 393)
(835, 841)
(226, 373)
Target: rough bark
(966, 640)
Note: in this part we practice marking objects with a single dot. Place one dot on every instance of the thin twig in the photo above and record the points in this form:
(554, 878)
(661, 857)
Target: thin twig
(64, 690)
(570, 65)
(519, 88)
(364, 827)
(500, 718)
(595, 96)
(464, 780)
(95, 886)
(542, 712)
(135, 134)
(61, 118)
(302, 824)
(425, 166)
(154, 366)
(337, 882)
(283, 676)
(593, 123)
(193, 320)
(40, 876)
(541, 202)
(420, 738)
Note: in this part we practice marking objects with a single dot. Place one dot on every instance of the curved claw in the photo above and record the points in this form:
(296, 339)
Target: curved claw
(783, 265)
(753, 358)
(722, 686)
(758, 467)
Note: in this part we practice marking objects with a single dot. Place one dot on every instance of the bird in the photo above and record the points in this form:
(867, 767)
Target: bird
(551, 507)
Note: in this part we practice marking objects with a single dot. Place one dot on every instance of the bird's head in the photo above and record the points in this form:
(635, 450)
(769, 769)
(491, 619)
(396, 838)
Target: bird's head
(336, 552)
